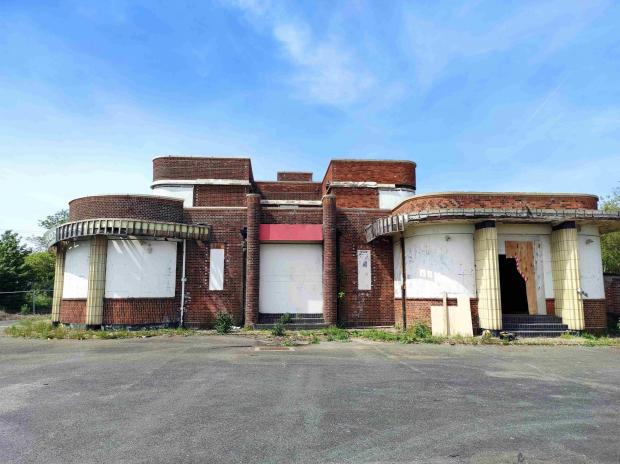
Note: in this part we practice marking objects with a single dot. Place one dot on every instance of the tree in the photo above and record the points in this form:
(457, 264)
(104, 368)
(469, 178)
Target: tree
(610, 243)
(49, 223)
(40, 265)
(14, 274)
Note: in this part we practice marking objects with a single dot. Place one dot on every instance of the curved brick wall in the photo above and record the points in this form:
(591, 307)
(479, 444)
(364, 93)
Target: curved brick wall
(127, 206)
(73, 311)
(496, 200)
(190, 168)
(382, 172)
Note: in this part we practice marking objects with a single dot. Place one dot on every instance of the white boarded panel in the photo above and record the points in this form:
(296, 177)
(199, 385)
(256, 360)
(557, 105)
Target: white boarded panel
(141, 269)
(76, 270)
(364, 276)
(216, 269)
(440, 259)
(398, 272)
(291, 278)
(590, 263)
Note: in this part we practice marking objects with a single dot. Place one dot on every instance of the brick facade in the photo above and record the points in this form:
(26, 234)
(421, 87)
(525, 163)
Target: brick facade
(595, 316)
(228, 199)
(419, 311)
(612, 294)
(145, 207)
(496, 200)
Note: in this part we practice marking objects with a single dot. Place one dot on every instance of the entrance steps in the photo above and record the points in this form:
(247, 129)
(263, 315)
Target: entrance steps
(297, 321)
(525, 325)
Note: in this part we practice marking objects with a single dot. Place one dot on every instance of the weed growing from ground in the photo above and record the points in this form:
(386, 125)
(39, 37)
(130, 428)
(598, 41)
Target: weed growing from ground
(223, 323)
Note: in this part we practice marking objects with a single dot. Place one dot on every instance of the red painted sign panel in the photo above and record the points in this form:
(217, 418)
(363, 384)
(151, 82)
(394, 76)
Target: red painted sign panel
(290, 232)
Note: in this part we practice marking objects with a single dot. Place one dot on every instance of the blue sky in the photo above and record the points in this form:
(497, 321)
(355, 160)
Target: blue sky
(513, 96)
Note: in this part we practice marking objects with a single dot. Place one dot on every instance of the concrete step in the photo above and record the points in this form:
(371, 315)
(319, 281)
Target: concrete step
(534, 326)
(537, 333)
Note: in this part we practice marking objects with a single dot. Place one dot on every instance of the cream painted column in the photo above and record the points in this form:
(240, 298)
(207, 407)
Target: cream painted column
(59, 280)
(487, 276)
(565, 269)
(96, 280)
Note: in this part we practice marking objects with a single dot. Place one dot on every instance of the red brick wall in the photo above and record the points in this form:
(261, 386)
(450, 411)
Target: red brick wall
(140, 311)
(364, 307)
(188, 168)
(295, 176)
(595, 315)
(203, 304)
(73, 311)
(126, 206)
(382, 172)
(354, 197)
(612, 294)
(289, 190)
(302, 215)
(508, 201)
(419, 311)
(220, 195)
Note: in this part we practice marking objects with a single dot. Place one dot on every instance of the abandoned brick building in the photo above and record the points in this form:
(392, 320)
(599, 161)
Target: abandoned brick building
(357, 248)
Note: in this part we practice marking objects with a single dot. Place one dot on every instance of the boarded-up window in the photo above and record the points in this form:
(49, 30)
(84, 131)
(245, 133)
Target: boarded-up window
(363, 270)
(76, 270)
(216, 269)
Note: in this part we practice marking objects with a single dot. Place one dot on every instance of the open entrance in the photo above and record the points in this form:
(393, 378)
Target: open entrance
(513, 287)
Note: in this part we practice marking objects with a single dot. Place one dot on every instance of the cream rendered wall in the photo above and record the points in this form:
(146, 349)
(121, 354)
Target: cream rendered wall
(76, 270)
(540, 234)
(141, 269)
(291, 278)
(389, 198)
(590, 262)
(439, 259)
(184, 192)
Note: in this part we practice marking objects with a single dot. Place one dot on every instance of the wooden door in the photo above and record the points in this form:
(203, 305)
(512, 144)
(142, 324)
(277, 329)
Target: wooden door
(523, 252)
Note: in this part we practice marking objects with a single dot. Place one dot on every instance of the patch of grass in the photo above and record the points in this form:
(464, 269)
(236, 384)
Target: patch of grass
(43, 328)
(223, 323)
(336, 334)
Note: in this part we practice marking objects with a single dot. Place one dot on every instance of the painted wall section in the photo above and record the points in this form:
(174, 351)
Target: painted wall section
(216, 269)
(184, 192)
(141, 269)
(440, 259)
(364, 276)
(389, 198)
(75, 283)
(566, 285)
(590, 263)
(290, 232)
(487, 278)
(291, 278)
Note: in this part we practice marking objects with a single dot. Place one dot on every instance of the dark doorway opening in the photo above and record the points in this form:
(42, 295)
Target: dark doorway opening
(512, 285)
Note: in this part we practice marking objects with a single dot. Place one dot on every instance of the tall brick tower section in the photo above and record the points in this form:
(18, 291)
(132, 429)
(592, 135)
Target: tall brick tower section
(253, 259)
(330, 277)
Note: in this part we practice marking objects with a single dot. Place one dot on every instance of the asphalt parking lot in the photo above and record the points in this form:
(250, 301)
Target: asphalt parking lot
(216, 399)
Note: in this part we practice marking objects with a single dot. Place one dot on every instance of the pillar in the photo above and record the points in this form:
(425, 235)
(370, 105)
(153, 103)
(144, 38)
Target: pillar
(96, 281)
(487, 276)
(565, 270)
(330, 277)
(59, 279)
(252, 259)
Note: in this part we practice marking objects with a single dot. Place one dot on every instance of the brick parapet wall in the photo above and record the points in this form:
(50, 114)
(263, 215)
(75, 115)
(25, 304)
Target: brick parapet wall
(73, 311)
(126, 206)
(189, 168)
(289, 190)
(356, 197)
(295, 176)
(499, 200)
(304, 215)
(364, 307)
(220, 195)
(383, 172)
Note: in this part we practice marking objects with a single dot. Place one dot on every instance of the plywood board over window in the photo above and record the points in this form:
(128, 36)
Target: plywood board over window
(364, 275)
(216, 269)
(523, 252)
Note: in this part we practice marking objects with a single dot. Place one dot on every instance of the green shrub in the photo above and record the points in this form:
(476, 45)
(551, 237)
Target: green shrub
(278, 329)
(422, 331)
(285, 318)
(223, 323)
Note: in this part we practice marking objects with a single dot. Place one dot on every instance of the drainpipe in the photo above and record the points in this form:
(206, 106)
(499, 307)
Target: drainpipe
(403, 287)
(183, 279)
